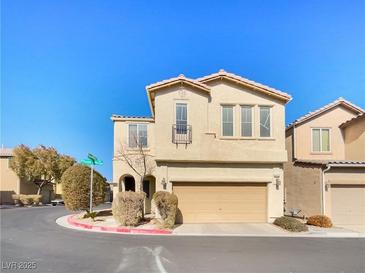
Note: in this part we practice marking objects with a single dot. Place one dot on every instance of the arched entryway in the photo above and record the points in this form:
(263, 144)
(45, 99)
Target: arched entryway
(149, 187)
(127, 183)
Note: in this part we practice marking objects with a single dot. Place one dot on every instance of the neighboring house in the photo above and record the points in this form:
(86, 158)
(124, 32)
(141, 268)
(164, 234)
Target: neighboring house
(217, 142)
(11, 184)
(325, 173)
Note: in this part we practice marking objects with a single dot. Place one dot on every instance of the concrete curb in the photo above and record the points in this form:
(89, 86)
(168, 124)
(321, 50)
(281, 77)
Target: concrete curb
(63, 221)
(72, 223)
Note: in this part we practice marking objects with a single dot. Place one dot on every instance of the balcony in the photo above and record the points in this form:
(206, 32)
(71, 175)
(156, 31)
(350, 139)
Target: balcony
(181, 134)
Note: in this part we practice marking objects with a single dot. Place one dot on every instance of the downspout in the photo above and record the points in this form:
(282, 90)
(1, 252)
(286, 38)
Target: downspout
(294, 144)
(323, 189)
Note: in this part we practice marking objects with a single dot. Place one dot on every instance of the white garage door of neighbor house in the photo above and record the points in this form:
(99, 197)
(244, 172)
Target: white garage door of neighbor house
(221, 202)
(348, 204)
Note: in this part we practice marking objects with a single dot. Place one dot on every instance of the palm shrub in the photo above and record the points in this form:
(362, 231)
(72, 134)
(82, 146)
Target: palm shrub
(319, 220)
(166, 204)
(127, 208)
(290, 224)
(76, 187)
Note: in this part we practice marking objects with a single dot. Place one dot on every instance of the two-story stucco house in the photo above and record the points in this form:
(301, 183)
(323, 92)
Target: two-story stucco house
(325, 172)
(217, 142)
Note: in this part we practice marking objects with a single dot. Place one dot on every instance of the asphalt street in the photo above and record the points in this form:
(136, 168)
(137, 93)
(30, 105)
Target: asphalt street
(31, 241)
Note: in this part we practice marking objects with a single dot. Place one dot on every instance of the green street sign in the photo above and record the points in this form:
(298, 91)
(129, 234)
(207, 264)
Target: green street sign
(92, 157)
(92, 160)
(98, 162)
(87, 162)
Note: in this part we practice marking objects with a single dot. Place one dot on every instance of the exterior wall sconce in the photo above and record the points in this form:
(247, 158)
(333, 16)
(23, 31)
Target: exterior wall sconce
(327, 186)
(163, 182)
(277, 181)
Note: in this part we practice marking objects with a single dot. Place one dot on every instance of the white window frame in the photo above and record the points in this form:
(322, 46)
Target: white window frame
(187, 111)
(138, 124)
(320, 140)
(233, 120)
(252, 120)
(271, 122)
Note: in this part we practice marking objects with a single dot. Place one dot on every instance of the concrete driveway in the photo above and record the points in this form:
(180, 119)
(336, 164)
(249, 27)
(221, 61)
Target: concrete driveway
(357, 228)
(257, 229)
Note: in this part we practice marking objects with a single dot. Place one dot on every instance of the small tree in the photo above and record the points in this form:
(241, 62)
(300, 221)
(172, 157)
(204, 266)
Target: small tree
(76, 187)
(137, 159)
(41, 166)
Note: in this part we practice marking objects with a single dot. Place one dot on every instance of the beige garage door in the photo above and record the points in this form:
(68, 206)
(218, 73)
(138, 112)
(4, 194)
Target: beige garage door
(348, 204)
(221, 202)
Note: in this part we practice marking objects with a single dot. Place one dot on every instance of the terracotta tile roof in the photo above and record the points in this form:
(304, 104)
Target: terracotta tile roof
(339, 101)
(245, 81)
(179, 79)
(332, 162)
(6, 152)
(348, 122)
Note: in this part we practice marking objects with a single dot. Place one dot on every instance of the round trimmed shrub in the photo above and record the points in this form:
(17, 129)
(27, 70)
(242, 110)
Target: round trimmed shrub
(127, 208)
(76, 187)
(319, 220)
(290, 224)
(166, 204)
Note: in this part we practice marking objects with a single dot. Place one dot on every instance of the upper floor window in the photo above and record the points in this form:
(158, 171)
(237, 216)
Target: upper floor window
(265, 121)
(181, 118)
(137, 135)
(227, 120)
(320, 140)
(246, 121)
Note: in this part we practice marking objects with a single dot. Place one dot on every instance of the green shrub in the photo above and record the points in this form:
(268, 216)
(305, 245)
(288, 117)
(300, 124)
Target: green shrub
(290, 224)
(91, 215)
(76, 187)
(166, 204)
(26, 199)
(319, 220)
(127, 208)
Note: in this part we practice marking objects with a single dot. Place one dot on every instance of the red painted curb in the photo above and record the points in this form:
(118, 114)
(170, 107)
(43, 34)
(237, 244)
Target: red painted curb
(122, 229)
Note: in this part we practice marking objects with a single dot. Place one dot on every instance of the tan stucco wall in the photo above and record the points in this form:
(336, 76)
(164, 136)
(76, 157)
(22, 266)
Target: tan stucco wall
(330, 119)
(9, 181)
(11, 184)
(204, 114)
(302, 184)
(355, 140)
(341, 176)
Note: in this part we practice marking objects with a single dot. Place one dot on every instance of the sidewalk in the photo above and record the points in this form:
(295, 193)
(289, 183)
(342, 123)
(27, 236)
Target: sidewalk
(260, 230)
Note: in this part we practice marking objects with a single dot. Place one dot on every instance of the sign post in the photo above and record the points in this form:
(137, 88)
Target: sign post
(91, 161)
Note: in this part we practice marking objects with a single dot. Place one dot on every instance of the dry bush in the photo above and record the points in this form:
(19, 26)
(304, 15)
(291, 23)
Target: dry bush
(16, 198)
(26, 199)
(36, 198)
(76, 187)
(290, 224)
(166, 204)
(127, 208)
(319, 220)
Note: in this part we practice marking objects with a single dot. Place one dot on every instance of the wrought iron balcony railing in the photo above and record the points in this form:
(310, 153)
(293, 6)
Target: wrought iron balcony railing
(181, 134)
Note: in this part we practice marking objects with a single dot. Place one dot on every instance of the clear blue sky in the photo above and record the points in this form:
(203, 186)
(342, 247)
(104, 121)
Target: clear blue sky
(66, 66)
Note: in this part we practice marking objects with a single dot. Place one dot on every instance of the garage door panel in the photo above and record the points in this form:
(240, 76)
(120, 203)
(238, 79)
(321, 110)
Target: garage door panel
(221, 202)
(348, 204)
